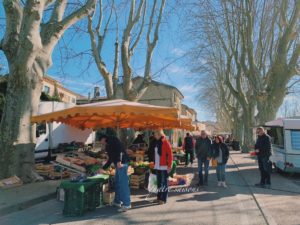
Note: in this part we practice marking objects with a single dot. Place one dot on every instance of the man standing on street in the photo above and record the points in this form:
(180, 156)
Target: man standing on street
(263, 152)
(204, 152)
(118, 156)
(188, 147)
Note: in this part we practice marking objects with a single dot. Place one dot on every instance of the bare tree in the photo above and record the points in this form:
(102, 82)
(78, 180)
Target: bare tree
(131, 38)
(259, 41)
(33, 28)
(98, 37)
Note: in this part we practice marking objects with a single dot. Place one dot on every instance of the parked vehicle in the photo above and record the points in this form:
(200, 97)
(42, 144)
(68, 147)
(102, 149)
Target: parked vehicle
(51, 137)
(285, 135)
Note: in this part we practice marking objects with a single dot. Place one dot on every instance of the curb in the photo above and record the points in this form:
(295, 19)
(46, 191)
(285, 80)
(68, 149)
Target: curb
(24, 205)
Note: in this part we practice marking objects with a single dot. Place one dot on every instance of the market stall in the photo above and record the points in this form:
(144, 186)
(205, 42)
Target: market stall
(115, 114)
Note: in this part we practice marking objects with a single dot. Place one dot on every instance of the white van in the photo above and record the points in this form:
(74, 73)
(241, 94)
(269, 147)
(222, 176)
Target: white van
(50, 135)
(285, 135)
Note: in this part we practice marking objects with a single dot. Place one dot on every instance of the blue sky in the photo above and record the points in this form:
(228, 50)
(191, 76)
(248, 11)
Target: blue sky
(80, 74)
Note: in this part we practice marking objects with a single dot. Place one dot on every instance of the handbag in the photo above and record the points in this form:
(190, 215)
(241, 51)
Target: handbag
(214, 162)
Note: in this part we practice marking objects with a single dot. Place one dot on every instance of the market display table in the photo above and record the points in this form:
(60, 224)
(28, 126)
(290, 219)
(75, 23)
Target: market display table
(66, 167)
(82, 196)
(180, 157)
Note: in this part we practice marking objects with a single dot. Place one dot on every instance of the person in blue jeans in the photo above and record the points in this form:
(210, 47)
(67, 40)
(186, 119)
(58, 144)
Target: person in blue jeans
(163, 160)
(221, 154)
(263, 149)
(118, 156)
(203, 149)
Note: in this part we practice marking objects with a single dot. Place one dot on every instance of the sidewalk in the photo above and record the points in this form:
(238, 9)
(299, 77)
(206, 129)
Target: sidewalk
(22, 197)
(248, 167)
(281, 203)
(234, 205)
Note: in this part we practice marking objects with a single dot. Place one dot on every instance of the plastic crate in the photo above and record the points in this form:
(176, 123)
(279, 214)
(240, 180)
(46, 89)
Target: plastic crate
(91, 200)
(75, 202)
(99, 194)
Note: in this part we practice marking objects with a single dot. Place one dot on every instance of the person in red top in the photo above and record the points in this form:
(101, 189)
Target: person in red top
(163, 159)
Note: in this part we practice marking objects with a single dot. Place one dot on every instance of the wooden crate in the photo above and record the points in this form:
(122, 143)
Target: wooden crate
(137, 181)
(135, 177)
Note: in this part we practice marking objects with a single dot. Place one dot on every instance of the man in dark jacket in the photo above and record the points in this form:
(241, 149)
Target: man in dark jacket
(203, 153)
(188, 147)
(118, 156)
(263, 151)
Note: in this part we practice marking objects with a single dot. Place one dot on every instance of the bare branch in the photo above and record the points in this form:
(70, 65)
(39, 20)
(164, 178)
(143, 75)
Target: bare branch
(293, 61)
(98, 28)
(151, 45)
(74, 17)
(140, 32)
(58, 11)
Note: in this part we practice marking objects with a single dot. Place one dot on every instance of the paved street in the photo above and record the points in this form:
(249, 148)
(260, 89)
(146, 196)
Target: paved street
(240, 203)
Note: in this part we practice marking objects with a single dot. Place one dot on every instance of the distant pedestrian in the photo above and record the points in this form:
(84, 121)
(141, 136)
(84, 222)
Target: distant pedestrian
(221, 154)
(203, 150)
(188, 146)
(118, 156)
(263, 149)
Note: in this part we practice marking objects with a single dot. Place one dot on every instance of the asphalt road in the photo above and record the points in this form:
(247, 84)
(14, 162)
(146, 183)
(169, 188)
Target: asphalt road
(240, 204)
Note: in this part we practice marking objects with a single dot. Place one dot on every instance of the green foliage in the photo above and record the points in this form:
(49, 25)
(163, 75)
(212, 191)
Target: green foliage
(56, 95)
(45, 97)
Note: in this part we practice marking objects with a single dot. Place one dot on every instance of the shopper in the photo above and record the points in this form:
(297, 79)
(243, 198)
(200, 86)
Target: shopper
(118, 156)
(263, 151)
(221, 154)
(163, 160)
(203, 153)
(188, 146)
(139, 139)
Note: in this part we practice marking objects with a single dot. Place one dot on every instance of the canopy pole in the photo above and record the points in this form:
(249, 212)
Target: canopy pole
(118, 132)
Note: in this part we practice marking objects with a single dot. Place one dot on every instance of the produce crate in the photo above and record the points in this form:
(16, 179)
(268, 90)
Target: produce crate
(137, 181)
(98, 198)
(75, 203)
(140, 170)
(139, 158)
(80, 197)
(100, 180)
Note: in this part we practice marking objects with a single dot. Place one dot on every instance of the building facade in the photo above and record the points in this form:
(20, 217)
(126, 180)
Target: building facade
(161, 94)
(50, 86)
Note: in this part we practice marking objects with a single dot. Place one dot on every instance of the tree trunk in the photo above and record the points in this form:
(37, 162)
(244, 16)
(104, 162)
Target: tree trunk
(28, 44)
(17, 134)
(238, 131)
(248, 122)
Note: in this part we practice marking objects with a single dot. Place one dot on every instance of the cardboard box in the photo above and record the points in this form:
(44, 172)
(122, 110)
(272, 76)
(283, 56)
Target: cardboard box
(10, 182)
(105, 187)
(108, 197)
